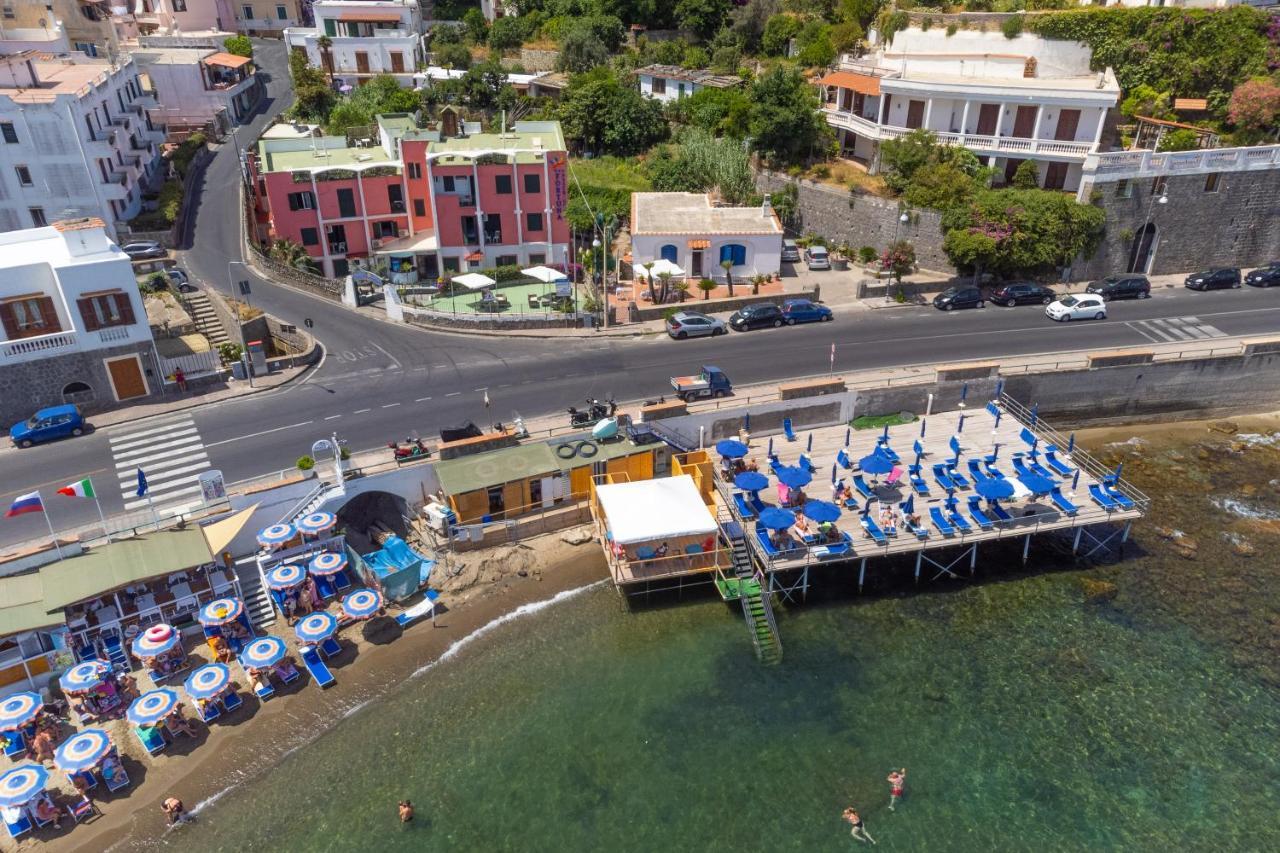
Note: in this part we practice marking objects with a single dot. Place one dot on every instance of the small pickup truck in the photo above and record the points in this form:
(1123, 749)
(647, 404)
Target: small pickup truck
(711, 382)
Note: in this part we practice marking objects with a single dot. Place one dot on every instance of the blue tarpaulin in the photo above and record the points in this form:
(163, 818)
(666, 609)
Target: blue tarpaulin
(398, 569)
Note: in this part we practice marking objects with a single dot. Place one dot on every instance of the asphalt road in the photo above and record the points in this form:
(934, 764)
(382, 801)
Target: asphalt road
(380, 381)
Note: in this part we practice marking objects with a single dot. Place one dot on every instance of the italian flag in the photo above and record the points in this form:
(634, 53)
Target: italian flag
(79, 489)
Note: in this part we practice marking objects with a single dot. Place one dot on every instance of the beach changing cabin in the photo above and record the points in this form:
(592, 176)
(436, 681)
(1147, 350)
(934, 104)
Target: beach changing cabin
(656, 528)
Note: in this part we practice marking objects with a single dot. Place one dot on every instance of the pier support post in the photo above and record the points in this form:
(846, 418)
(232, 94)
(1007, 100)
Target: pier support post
(804, 590)
(973, 559)
(862, 572)
(919, 557)
(1124, 537)
(1075, 546)
(1026, 548)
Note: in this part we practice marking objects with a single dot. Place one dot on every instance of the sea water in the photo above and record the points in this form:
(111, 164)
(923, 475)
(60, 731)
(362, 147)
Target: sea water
(1033, 711)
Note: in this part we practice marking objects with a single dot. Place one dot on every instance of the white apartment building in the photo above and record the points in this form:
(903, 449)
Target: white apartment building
(171, 17)
(671, 83)
(73, 327)
(367, 38)
(199, 84)
(1035, 99)
(76, 139)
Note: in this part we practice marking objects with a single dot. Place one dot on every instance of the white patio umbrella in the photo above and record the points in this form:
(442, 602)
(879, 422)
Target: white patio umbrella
(545, 275)
(660, 266)
(474, 281)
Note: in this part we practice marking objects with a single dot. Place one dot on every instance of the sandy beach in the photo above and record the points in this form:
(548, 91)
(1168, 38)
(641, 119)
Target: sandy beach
(232, 750)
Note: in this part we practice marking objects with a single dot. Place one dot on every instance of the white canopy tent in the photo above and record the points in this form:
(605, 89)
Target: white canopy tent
(654, 510)
(474, 281)
(545, 274)
(660, 266)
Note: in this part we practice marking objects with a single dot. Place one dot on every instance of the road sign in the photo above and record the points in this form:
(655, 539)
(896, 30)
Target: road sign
(243, 285)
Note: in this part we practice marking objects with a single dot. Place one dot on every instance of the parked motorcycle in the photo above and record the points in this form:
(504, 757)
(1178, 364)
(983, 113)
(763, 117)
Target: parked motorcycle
(596, 412)
(414, 448)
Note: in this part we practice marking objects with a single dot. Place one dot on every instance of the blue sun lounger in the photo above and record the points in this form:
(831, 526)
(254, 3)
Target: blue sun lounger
(1122, 500)
(1020, 466)
(20, 827)
(862, 487)
(956, 477)
(151, 739)
(330, 647)
(940, 521)
(1102, 499)
(118, 780)
(232, 701)
(319, 672)
(758, 505)
(806, 463)
(940, 474)
(17, 745)
(209, 712)
(744, 508)
(957, 520)
(1061, 468)
(843, 460)
(873, 530)
(883, 448)
(340, 581)
(975, 471)
(786, 429)
(1002, 515)
(916, 530)
(976, 513)
(1060, 501)
(917, 481)
(264, 691)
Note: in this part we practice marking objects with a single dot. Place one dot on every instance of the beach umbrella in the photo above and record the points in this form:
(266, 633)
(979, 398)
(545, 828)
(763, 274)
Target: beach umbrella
(19, 709)
(731, 448)
(994, 488)
(362, 603)
(751, 481)
(84, 676)
(884, 436)
(1116, 475)
(221, 611)
(746, 422)
(808, 447)
(263, 652)
(775, 518)
(769, 452)
(1071, 442)
(1075, 481)
(866, 507)
(960, 423)
(286, 576)
(833, 472)
(821, 511)
(156, 640)
(1037, 484)
(995, 452)
(152, 707)
(848, 434)
(999, 388)
(923, 422)
(316, 523)
(875, 463)
(954, 444)
(316, 627)
(909, 505)
(327, 563)
(82, 751)
(964, 391)
(276, 535)
(22, 784)
(207, 681)
(793, 477)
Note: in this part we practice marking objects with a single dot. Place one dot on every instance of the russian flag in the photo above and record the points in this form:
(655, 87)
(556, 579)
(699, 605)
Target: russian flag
(25, 503)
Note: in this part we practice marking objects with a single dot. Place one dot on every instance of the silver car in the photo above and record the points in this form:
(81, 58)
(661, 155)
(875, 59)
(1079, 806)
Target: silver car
(790, 251)
(691, 324)
(144, 249)
(816, 258)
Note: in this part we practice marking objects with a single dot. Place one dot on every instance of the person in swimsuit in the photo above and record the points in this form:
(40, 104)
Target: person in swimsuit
(406, 811)
(897, 780)
(859, 830)
(173, 810)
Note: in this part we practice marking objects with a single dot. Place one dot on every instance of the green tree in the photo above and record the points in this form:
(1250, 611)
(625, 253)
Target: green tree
(1179, 140)
(747, 22)
(845, 36)
(725, 59)
(608, 116)
(779, 30)
(814, 44)
(785, 124)
(704, 17)
(695, 57)
(861, 12)
(477, 28)
(939, 186)
(899, 259)
(1016, 231)
(1143, 100)
(238, 46)
(720, 111)
(1255, 105)
(1026, 176)
(507, 33)
(901, 157)
(312, 95)
(452, 55)
(581, 51)
(348, 114)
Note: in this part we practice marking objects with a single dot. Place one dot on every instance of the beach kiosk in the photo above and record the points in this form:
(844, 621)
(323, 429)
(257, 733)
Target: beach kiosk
(656, 529)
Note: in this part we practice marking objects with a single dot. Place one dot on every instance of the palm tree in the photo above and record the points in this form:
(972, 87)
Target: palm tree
(706, 285)
(682, 287)
(665, 278)
(648, 277)
(326, 55)
(727, 263)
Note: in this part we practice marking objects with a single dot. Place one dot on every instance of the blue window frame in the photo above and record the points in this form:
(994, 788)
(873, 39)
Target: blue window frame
(735, 252)
(669, 253)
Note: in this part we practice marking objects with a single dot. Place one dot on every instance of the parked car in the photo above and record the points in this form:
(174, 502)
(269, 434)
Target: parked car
(144, 249)
(1215, 279)
(690, 324)
(759, 316)
(1084, 306)
(816, 258)
(803, 311)
(959, 297)
(1022, 293)
(1264, 277)
(790, 251)
(1121, 287)
(46, 425)
(178, 278)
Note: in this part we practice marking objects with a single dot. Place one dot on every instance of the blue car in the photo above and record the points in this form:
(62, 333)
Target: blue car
(48, 424)
(803, 311)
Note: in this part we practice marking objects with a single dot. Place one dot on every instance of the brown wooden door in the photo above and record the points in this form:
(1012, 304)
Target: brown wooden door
(915, 114)
(1024, 123)
(988, 115)
(1055, 176)
(397, 63)
(1068, 123)
(362, 62)
(126, 378)
(1010, 167)
(695, 263)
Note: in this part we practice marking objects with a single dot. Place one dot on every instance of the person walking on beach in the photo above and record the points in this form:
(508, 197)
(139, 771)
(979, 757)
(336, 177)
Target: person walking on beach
(859, 830)
(897, 781)
(406, 811)
(174, 810)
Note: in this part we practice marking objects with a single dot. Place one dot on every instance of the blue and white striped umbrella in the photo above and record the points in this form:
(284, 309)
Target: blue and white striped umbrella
(221, 611)
(82, 750)
(22, 784)
(317, 523)
(276, 535)
(207, 681)
(264, 651)
(328, 563)
(84, 676)
(286, 577)
(18, 710)
(152, 707)
(362, 603)
(316, 627)
(155, 641)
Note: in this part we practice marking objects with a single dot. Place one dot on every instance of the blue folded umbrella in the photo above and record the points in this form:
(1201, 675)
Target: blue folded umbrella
(995, 488)
(793, 477)
(821, 511)
(875, 463)
(731, 448)
(751, 481)
(774, 518)
(1037, 485)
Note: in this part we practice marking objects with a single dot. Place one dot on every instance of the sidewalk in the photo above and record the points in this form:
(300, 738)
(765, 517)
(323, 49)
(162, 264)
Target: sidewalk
(177, 401)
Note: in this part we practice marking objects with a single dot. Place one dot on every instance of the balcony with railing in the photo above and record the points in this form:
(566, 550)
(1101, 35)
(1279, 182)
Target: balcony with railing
(1135, 164)
(32, 349)
(980, 143)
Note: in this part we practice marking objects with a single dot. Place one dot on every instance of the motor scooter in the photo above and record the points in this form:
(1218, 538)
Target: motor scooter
(414, 448)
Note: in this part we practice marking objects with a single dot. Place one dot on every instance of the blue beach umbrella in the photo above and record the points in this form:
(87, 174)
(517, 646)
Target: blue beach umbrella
(286, 577)
(751, 481)
(875, 463)
(994, 488)
(1071, 442)
(262, 652)
(316, 627)
(1037, 484)
(207, 681)
(1075, 481)
(1116, 473)
(84, 676)
(327, 563)
(221, 611)
(964, 391)
(82, 750)
(808, 448)
(317, 522)
(833, 473)
(793, 477)
(769, 452)
(923, 422)
(362, 603)
(999, 388)
(18, 710)
(746, 422)
(731, 448)
(848, 435)
(821, 511)
(156, 640)
(960, 423)
(152, 707)
(776, 518)
(22, 784)
(276, 535)
(909, 505)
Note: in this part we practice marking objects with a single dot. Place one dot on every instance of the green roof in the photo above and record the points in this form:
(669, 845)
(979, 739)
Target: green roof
(123, 562)
(482, 470)
(535, 138)
(23, 605)
(329, 158)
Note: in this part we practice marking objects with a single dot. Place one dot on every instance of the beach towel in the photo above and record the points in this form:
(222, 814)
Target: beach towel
(894, 475)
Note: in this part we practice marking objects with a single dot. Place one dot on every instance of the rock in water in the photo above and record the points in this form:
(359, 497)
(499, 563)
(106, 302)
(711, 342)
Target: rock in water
(1227, 427)
(1096, 591)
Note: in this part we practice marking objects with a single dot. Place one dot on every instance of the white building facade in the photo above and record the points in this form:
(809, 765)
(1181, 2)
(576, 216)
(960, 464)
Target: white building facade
(73, 327)
(76, 139)
(671, 83)
(690, 231)
(197, 85)
(1036, 101)
(367, 38)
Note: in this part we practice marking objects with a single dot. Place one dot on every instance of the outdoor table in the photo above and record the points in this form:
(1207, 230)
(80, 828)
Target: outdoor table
(145, 601)
(218, 580)
(180, 591)
(103, 615)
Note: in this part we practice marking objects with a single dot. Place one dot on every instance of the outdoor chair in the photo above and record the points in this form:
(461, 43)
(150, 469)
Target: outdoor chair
(744, 509)
(807, 463)
(758, 505)
(341, 581)
(533, 302)
(975, 471)
(786, 429)
(209, 712)
(940, 521)
(959, 479)
(976, 513)
(957, 520)
(873, 530)
(1059, 467)
(232, 701)
(862, 487)
(330, 647)
(887, 452)
(843, 460)
(917, 481)
(21, 827)
(17, 745)
(118, 781)
(999, 512)
(1121, 499)
(1020, 466)
(940, 474)
(151, 739)
(324, 586)
(83, 810)
(644, 552)
(1061, 502)
(1102, 499)
(918, 531)
(40, 823)
(319, 672)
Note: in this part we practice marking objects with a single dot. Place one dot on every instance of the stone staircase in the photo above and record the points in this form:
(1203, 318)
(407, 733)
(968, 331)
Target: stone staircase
(257, 601)
(205, 318)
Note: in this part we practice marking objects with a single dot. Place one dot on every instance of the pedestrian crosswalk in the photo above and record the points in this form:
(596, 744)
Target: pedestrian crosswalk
(171, 455)
(1167, 329)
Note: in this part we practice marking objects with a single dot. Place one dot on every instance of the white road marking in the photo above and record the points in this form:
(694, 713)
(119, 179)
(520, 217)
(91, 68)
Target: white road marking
(390, 405)
(256, 434)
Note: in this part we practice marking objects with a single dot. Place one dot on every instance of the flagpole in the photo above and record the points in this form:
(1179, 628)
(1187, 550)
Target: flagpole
(98, 503)
(49, 521)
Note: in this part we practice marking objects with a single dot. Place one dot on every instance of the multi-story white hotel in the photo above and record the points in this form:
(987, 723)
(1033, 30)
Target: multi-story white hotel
(76, 139)
(1007, 100)
(366, 38)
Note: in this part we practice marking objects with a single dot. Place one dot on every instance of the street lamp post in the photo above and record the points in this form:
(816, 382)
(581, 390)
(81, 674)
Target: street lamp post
(603, 234)
(244, 343)
(1142, 235)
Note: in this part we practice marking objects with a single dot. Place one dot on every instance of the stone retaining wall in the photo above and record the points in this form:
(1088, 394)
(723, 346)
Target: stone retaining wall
(717, 306)
(329, 288)
(535, 61)
(478, 322)
(31, 385)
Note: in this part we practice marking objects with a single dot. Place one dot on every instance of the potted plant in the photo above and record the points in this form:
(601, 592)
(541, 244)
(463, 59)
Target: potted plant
(307, 466)
(867, 255)
(840, 256)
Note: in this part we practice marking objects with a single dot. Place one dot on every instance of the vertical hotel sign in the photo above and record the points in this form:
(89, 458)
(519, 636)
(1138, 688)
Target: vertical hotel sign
(558, 162)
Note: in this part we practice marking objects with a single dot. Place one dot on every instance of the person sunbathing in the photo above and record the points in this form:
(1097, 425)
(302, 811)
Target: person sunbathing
(176, 722)
(221, 651)
(42, 746)
(285, 668)
(235, 631)
(256, 679)
(753, 465)
(45, 811)
(802, 526)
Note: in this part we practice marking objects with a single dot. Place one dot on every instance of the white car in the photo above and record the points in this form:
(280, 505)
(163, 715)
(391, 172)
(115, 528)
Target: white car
(816, 258)
(1084, 306)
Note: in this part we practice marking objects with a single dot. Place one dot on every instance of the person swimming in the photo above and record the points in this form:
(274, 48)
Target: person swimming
(897, 781)
(406, 811)
(859, 830)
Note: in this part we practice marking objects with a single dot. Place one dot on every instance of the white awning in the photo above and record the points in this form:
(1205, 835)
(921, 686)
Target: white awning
(653, 510)
(545, 274)
(660, 266)
(474, 281)
(423, 241)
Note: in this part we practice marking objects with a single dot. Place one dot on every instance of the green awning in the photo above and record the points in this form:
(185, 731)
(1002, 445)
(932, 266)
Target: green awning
(469, 473)
(22, 605)
(121, 563)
